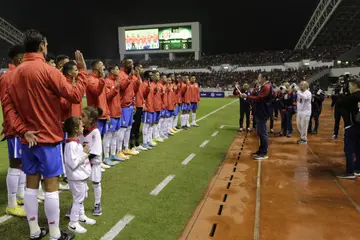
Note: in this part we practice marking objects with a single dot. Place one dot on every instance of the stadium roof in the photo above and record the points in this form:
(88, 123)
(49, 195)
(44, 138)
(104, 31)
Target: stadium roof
(333, 22)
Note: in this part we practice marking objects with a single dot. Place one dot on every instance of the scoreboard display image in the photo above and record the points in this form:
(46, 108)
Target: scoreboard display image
(171, 38)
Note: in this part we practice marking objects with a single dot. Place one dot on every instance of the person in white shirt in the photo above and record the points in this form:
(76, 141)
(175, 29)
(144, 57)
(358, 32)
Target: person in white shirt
(303, 105)
(92, 137)
(77, 165)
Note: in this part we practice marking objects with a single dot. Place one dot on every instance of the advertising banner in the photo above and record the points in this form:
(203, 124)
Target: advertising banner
(212, 94)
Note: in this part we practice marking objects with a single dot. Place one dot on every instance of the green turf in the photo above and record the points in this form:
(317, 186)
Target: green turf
(126, 187)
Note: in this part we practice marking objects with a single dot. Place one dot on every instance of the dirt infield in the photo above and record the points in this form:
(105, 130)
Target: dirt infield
(297, 196)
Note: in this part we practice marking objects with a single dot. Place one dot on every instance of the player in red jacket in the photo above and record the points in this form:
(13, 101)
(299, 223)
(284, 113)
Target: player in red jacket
(15, 179)
(194, 98)
(32, 103)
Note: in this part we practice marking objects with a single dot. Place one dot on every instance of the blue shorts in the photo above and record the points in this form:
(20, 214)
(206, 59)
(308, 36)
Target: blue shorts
(46, 160)
(193, 106)
(177, 110)
(103, 126)
(185, 107)
(14, 147)
(163, 113)
(169, 113)
(127, 116)
(157, 116)
(115, 124)
(148, 117)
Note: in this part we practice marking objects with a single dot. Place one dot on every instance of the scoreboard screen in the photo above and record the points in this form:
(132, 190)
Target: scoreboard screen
(175, 38)
(165, 38)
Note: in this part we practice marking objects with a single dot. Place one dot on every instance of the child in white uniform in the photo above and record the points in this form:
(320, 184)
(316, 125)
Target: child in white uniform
(78, 170)
(92, 137)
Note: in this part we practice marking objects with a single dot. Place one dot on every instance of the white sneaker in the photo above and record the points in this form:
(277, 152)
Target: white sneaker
(102, 170)
(86, 220)
(64, 187)
(41, 195)
(141, 148)
(104, 166)
(188, 125)
(194, 124)
(77, 228)
(135, 151)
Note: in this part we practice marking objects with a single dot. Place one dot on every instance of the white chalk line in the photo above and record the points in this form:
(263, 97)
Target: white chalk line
(162, 185)
(188, 159)
(215, 133)
(119, 226)
(204, 143)
(257, 206)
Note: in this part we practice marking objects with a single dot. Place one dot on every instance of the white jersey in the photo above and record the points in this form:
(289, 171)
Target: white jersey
(303, 103)
(92, 138)
(77, 164)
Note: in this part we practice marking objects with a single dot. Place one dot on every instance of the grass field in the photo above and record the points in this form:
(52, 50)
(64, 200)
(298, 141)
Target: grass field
(126, 186)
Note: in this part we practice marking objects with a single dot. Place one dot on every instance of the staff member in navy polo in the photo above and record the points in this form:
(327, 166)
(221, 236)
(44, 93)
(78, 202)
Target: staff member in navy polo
(262, 114)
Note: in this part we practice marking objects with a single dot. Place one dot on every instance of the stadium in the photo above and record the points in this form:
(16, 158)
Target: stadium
(202, 182)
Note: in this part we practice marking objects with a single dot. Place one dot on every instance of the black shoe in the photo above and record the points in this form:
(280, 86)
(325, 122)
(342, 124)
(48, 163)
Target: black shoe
(255, 153)
(346, 176)
(314, 132)
(289, 135)
(301, 141)
(335, 136)
(43, 233)
(65, 235)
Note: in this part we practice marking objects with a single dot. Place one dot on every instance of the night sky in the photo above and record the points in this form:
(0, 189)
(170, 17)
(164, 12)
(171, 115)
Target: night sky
(227, 26)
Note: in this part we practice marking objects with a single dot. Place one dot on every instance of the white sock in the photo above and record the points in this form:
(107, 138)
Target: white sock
(127, 138)
(12, 182)
(150, 134)
(145, 131)
(187, 119)
(40, 187)
(158, 131)
(52, 212)
(160, 125)
(21, 185)
(155, 130)
(193, 116)
(120, 140)
(164, 127)
(113, 142)
(106, 143)
(182, 120)
(175, 122)
(31, 207)
(97, 193)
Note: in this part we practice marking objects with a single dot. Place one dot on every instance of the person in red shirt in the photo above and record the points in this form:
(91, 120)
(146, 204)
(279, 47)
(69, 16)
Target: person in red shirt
(158, 106)
(112, 90)
(15, 179)
(177, 88)
(32, 103)
(195, 99)
(96, 97)
(50, 59)
(175, 113)
(148, 111)
(140, 97)
(171, 106)
(185, 106)
(163, 131)
(127, 75)
(61, 60)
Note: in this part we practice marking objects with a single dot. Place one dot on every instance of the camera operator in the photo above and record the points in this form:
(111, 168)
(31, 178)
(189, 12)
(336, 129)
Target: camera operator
(318, 97)
(351, 106)
(244, 106)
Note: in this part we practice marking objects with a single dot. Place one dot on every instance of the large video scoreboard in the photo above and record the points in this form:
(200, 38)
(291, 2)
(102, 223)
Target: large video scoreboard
(164, 38)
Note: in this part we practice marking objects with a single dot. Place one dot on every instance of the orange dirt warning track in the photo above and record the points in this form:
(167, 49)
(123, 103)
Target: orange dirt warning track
(292, 196)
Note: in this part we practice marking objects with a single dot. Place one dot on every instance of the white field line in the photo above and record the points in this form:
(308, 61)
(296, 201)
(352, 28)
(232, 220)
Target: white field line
(162, 185)
(188, 159)
(204, 143)
(211, 113)
(4, 218)
(222, 126)
(257, 206)
(119, 226)
(215, 133)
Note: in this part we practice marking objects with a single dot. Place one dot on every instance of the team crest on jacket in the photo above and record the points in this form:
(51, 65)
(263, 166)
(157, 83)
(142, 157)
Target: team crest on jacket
(20, 152)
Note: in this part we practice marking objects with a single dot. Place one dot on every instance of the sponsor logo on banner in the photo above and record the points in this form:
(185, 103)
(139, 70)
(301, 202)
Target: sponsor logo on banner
(212, 94)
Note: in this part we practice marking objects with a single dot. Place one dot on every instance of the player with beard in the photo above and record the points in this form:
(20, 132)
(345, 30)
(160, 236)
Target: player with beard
(96, 97)
(185, 106)
(15, 179)
(194, 98)
(127, 74)
(112, 90)
(35, 115)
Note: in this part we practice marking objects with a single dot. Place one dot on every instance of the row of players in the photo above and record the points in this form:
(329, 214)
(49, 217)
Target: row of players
(36, 98)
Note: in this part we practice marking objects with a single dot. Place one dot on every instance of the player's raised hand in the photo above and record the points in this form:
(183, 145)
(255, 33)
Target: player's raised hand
(31, 138)
(79, 58)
